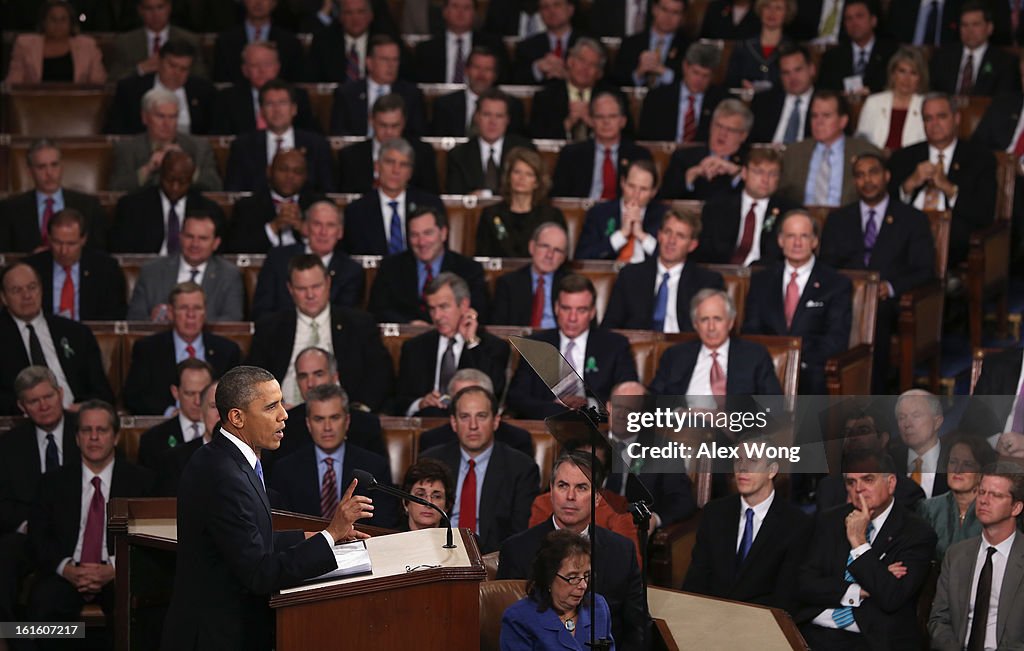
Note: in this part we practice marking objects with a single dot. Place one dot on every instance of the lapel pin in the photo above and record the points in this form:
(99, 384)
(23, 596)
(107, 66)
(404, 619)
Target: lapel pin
(956, 167)
(888, 219)
(817, 285)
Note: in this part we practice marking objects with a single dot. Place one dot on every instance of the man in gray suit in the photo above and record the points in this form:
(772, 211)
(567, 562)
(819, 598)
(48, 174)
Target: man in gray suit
(137, 52)
(137, 160)
(220, 280)
(980, 594)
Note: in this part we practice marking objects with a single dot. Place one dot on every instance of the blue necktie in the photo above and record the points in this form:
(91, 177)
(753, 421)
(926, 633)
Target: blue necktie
(52, 457)
(792, 133)
(661, 304)
(259, 473)
(748, 537)
(843, 616)
(396, 241)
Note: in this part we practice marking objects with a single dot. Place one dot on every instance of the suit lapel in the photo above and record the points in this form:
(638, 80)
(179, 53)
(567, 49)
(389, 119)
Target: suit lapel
(310, 488)
(812, 290)
(494, 483)
(1012, 581)
(776, 301)
(247, 470)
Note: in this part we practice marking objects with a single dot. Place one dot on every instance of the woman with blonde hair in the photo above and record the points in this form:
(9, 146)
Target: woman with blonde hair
(892, 118)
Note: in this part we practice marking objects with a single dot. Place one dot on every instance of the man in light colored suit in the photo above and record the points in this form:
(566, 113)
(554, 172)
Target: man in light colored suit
(818, 171)
(980, 593)
(137, 51)
(220, 280)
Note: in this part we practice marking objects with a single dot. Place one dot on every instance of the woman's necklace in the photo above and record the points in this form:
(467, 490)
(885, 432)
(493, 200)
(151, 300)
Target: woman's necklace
(570, 624)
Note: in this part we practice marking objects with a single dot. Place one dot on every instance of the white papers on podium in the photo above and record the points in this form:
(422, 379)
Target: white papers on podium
(353, 560)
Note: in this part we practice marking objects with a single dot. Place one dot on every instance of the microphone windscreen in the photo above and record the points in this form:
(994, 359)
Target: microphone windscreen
(366, 480)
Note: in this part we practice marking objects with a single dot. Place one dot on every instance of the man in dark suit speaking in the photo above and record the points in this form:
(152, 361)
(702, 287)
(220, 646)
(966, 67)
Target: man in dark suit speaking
(223, 505)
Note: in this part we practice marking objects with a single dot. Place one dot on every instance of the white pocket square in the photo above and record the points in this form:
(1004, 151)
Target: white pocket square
(815, 304)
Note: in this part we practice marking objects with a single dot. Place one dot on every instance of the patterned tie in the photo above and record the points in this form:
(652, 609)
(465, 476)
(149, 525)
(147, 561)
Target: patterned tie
(95, 522)
(748, 537)
(931, 25)
(467, 501)
(843, 616)
(739, 256)
(570, 356)
(67, 295)
(717, 376)
(690, 121)
(459, 73)
(608, 176)
(328, 491)
(448, 366)
(35, 349)
(982, 599)
(537, 313)
(396, 240)
(52, 454)
(824, 178)
(173, 235)
(915, 474)
(661, 304)
(352, 66)
(792, 299)
(190, 350)
(44, 234)
(967, 75)
(932, 196)
(870, 236)
(792, 133)
(862, 63)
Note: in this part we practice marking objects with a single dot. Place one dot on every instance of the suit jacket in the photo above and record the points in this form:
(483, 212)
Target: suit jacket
(532, 48)
(672, 491)
(601, 222)
(235, 113)
(247, 232)
(171, 465)
(27, 60)
(900, 456)
(616, 578)
(465, 166)
(130, 154)
(673, 186)
(20, 469)
(296, 479)
(947, 624)
(796, 163)
(147, 389)
(328, 60)
(551, 106)
(513, 296)
(632, 46)
(501, 233)
(997, 72)
(659, 116)
(506, 494)
(20, 229)
(364, 366)
(364, 222)
(395, 296)
(994, 393)
(887, 619)
(101, 285)
(748, 63)
(157, 441)
(837, 64)
(749, 371)
(903, 21)
(822, 319)
(608, 362)
(347, 281)
(876, 117)
(57, 512)
(973, 170)
(227, 54)
(247, 162)
(998, 124)
(431, 56)
(125, 115)
(516, 438)
(355, 167)
(522, 624)
(419, 364)
(139, 220)
(574, 172)
(632, 301)
(222, 505)
(77, 351)
(720, 229)
(767, 108)
(904, 255)
(718, 22)
(132, 47)
(765, 576)
(349, 113)
(450, 117)
(222, 284)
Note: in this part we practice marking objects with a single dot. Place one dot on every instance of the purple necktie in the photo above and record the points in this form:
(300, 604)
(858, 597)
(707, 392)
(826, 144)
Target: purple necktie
(870, 235)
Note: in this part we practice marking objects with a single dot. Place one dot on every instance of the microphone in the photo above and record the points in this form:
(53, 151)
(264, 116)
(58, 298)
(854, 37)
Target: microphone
(367, 480)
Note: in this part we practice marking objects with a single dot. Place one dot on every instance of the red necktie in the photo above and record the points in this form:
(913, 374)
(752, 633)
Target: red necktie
(67, 295)
(328, 491)
(257, 34)
(747, 241)
(717, 376)
(537, 315)
(47, 215)
(156, 45)
(426, 281)
(689, 121)
(967, 76)
(1018, 147)
(558, 47)
(467, 501)
(190, 349)
(608, 176)
(92, 539)
(792, 299)
(261, 123)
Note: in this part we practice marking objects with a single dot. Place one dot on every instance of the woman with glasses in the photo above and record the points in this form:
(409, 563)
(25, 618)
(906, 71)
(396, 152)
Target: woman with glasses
(952, 514)
(431, 480)
(555, 613)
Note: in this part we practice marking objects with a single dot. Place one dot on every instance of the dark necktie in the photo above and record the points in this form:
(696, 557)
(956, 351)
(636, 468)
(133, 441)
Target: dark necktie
(748, 537)
(459, 72)
(792, 133)
(608, 176)
(931, 24)
(862, 63)
(661, 304)
(396, 240)
(967, 76)
(35, 349)
(92, 539)
(52, 455)
(448, 366)
(870, 236)
(747, 240)
(491, 176)
(173, 236)
(328, 491)
(537, 313)
(352, 67)
(44, 233)
(976, 640)
(467, 501)
(690, 121)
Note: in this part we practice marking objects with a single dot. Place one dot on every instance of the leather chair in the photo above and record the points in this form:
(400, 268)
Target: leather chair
(495, 598)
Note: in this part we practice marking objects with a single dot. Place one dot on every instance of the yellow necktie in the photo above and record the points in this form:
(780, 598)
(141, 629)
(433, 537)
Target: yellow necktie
(916, 474)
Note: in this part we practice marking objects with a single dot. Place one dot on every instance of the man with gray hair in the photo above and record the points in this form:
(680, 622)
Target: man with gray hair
(429, 361)
(681, 111)
(377, 221)
(920, 453)
(137, 159)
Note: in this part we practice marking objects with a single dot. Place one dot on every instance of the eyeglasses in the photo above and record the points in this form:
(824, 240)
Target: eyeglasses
(575, 579)
(435, 496)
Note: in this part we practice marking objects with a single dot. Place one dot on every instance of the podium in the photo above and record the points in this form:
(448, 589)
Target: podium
(417, 596)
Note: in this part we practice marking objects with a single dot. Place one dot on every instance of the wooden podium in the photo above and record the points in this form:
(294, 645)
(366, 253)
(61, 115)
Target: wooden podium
(418, 595)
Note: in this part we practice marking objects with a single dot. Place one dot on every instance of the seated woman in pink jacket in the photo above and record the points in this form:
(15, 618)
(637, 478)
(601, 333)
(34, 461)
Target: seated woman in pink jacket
(58, 52)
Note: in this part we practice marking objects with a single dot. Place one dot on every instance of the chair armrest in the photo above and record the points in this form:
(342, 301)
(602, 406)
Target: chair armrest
(849, 372)
(670, 551)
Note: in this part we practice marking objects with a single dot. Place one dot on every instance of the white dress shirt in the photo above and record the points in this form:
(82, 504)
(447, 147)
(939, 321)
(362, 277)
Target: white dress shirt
(385, 211)
(58, 438)
(760, 512)
(106, 477)
(190, 429)
(802, 275)
(452, 47)
(287, 236)
(671, 318)
(471, 100)
(360, 42)
(787, 110)
(185, 271)
(287, 142)
(999, 559)
(760, 208)
(933, 157)
(184, 117)
(579, 352)
(179, 210)
(978, 54)
(929, 466)
(442, 346)
(304, 338)
(50, 352)
(700, 379)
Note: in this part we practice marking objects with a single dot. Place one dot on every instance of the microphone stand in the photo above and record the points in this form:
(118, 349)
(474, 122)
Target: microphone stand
(594, 416)
(372, 484)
